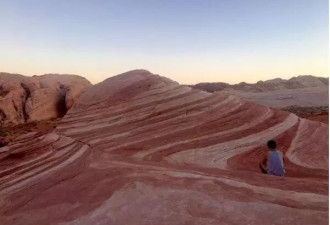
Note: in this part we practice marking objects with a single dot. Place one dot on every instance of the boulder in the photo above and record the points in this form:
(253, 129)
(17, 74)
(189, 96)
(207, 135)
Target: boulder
(27, 99)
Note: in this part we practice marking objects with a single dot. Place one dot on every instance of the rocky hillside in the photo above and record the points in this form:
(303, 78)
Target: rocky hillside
(299, 82)
(302, 91)
(141, 149)
(27, 99)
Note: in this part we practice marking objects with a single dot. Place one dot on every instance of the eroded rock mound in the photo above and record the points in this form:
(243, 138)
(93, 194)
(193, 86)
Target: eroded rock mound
(27, 99)
(141, 149)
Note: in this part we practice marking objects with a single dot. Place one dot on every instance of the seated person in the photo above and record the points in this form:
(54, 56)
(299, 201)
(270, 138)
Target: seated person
(273, 161)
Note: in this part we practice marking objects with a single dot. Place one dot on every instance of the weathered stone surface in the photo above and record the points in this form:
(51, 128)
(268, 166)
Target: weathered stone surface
(45, 104)
(12, 98)
(141, 149)
(26, 99)
(72, 93)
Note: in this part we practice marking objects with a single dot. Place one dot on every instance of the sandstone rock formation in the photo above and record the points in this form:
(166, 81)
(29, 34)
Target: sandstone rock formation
(304, 91)
(141, 149)
(26, 99)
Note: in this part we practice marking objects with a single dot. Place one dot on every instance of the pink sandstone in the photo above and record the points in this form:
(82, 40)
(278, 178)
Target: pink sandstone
(141, 149)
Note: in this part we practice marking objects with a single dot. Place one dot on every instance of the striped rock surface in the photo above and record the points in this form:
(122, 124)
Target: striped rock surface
(141, 149)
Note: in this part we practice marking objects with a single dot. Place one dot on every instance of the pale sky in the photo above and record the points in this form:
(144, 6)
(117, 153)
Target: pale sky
(189, 41)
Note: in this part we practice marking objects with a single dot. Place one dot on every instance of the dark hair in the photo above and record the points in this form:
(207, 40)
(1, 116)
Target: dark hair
(271, 144)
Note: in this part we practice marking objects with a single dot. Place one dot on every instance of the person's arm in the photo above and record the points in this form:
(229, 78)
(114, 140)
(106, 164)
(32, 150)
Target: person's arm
(265, 159)
(282, 154)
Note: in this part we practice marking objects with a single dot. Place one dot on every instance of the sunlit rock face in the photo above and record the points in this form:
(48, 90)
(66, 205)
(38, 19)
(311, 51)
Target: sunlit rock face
(141, 149)
(27, 99)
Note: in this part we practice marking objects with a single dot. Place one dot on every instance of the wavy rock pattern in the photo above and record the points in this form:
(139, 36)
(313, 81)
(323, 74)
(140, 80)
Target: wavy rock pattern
(141, 149)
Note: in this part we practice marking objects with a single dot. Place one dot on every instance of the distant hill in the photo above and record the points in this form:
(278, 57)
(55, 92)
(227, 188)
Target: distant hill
(305, 81)
(303, 91)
